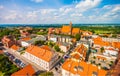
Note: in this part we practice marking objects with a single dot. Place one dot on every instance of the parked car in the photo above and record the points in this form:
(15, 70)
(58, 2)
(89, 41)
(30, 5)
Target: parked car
(7, 54)
(22, 65)
(66, 56)
(18, 62)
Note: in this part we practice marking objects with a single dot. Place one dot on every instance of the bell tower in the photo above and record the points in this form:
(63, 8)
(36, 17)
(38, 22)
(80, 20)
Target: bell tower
(70, 27)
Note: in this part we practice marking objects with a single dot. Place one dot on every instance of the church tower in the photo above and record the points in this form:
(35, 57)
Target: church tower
(70, 27)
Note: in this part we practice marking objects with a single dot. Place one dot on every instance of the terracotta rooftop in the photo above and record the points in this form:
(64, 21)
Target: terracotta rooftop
(82, 68)
(100, 57)
(26, 38)
(75, 30)
(26, 71)
(79, 52)
(66, 29)
(15, 47)
(1, 52)
(43, 52)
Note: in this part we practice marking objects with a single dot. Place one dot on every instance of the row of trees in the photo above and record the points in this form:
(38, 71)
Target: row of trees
(7, 31)
(6, 66)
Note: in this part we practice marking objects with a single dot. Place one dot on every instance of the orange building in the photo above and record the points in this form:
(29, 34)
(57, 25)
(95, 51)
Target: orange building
(43, 56)
(79, 52)
(15, 47)
(50, 30)
(67, 29)
(26, 71)
(8, 41)
(24, 33)
(57, 30)
(86, 33)
(116, 45)
(99, 41)
(75, 31)
(26, 39)
(72, 68)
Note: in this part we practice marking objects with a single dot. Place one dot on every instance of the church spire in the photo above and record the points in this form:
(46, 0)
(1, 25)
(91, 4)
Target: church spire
(70, 23)
(70, 27)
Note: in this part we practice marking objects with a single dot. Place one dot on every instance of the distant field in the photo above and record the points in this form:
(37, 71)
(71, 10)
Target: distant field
(101, 32)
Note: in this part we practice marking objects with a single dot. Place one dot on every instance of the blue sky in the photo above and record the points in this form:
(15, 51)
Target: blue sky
(59, 11)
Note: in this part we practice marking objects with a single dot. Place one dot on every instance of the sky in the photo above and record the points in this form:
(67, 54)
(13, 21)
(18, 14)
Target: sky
(59, 11)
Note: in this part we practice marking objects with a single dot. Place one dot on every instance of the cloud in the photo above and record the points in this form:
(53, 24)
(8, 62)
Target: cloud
(86, 11)
(84, 5)
(76, 14)
(47, 11)
(37, 1)
(1, 7)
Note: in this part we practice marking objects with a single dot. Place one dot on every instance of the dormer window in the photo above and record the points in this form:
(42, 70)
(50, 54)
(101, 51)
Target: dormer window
(27, 74)
(80, 68)
(75, 68)
(94, 73)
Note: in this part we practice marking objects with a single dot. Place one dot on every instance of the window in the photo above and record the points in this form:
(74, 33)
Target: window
(75, 68)
(80, 68)
(94, 73)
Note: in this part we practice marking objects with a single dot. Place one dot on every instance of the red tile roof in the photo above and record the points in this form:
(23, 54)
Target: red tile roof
(15, 47)
(26, 71)
(43, 52)
(83, 68)
(26, 38)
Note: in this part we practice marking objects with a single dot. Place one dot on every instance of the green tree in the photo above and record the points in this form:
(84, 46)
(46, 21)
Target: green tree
(51, 44)
(102, 49)
(6, 66)
(39, 42)
(56, 47)
(77, 36)
(114, 35)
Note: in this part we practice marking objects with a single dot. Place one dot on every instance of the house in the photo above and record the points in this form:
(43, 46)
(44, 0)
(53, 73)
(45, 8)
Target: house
(116, 45)
(111, 51)
(1, 52)
(33, 40)
(84, 42)
(8, 41)
(64, 46)
(99, 41)
(80, 52)
(24, 33)
(14, 48)
(105, 57)
(24, 41)
(57, 30)
(50, 30)
(26, 71)
(43, 56)
(53, 38)
(72, 67)
(57, 38)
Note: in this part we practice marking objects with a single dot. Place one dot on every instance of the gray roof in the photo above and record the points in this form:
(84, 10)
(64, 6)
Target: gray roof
(32, 41)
